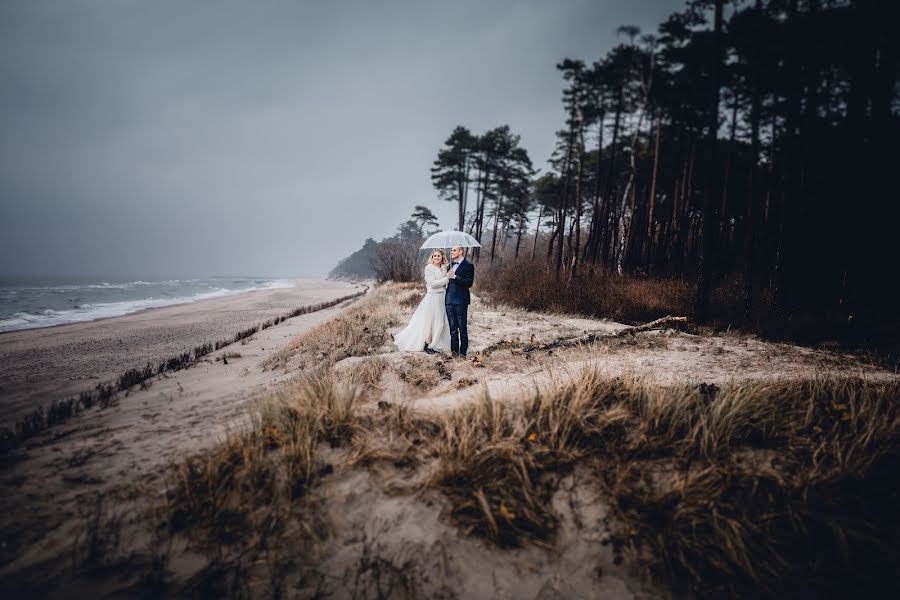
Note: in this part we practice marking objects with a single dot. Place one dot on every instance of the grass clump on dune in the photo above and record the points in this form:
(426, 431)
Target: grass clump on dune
(359, 331)
(247, 498)
(760, 489)
(779, 488)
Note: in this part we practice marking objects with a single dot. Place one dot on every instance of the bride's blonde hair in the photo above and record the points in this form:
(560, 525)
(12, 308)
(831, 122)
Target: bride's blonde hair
(443, 257)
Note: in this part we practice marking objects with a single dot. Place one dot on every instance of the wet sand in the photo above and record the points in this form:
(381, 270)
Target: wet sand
(38, 366)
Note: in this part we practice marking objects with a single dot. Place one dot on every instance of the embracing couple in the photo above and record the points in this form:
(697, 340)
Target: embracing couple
(439, 323)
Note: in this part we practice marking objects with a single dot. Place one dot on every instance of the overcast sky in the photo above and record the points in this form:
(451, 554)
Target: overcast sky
(184, 138)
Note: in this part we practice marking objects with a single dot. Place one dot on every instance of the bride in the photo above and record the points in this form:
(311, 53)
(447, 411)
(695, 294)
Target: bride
(428, 328)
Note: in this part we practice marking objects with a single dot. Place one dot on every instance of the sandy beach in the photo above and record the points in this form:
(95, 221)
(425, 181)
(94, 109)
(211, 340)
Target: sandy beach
(147, 429)
(380, 509)
(38, 366)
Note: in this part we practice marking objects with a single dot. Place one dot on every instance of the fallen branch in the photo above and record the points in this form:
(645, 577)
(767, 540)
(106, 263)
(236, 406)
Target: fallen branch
(648, 326)
(587, 338)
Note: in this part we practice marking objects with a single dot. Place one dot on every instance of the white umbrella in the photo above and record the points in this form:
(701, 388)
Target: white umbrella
(450, 239)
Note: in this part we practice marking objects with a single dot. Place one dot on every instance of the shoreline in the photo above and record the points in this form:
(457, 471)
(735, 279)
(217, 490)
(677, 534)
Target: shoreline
(181, 302)
(40, 365)
(100, 452)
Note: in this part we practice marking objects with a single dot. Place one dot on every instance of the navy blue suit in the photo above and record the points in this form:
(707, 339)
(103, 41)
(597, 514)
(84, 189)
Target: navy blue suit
(457, 303)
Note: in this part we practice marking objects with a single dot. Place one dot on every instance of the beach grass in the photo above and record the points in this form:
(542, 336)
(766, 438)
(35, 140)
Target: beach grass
(754, 488)
(741, 490)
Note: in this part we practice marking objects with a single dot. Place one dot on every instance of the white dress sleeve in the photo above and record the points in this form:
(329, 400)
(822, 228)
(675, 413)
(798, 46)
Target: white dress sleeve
(435, 278)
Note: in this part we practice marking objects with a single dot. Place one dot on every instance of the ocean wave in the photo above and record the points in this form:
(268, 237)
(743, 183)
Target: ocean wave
(276, 284)
(104, 285)
(122, 286)
(102, 310)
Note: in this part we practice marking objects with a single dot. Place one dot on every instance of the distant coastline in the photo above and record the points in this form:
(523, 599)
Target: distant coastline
(49, 303)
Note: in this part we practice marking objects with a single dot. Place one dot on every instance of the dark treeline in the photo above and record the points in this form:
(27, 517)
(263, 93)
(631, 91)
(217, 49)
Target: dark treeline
(749, 142)
(496, 171)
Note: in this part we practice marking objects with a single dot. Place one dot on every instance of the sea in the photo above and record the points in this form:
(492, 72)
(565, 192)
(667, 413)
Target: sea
(27, 304)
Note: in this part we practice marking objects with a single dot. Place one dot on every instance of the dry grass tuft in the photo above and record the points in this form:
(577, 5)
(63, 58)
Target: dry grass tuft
(410, 298)
(368, 372)
(490, 476)
(784, 488)
(777, 488)
(465, 382)
(243, 499)
(359, 331)
(421, 372)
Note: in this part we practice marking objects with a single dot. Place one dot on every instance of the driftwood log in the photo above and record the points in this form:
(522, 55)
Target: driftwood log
(587, 338)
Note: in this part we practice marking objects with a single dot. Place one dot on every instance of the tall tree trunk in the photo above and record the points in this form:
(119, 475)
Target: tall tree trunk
(496, 222)
(884, 152)
(684, 224)
(578, 202)
(564, 203)
(791, 209)
(752, 184)
(724, 233)
(648, 246)
(474, 222)
(505, 238)
(464, 197)
(537, 231)
(607, 233)
(701, 306)
(479, 218)
(729, 156)
(626, 222)
(550, 246)
(593, 241)
(521, 230)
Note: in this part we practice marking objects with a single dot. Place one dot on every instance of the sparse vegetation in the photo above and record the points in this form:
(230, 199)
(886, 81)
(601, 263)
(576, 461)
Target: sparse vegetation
(359, 331)
(623, 299)
(636, 299)
(368, 372)
(244, 499)
(743, 489)
(104, 394)
(466, 382)
(777, 488)
(419, 372)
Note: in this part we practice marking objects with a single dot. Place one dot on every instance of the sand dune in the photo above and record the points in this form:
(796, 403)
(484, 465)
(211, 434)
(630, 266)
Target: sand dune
(125, 453)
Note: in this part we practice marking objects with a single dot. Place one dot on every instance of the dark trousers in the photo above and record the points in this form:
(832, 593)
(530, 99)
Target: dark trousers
(459, 333)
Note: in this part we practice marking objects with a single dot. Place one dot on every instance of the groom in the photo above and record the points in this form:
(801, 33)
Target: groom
(462, 275)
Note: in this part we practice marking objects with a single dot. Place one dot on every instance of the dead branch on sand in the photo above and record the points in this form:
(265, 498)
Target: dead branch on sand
(587, 338)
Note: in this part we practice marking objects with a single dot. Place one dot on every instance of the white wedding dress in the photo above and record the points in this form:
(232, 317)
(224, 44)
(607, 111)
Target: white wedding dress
(428, 323)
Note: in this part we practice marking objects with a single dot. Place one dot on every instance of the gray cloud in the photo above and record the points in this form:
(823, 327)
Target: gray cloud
(271, 138)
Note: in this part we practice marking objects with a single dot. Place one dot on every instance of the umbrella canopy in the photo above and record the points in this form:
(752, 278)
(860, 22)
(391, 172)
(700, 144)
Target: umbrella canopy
(449, 239)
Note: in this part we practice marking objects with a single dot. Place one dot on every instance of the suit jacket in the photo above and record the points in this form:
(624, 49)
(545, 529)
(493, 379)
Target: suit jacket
(458, 288)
